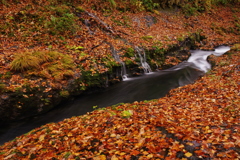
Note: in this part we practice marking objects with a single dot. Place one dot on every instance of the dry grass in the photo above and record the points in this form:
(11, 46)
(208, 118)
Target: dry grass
(24, 61)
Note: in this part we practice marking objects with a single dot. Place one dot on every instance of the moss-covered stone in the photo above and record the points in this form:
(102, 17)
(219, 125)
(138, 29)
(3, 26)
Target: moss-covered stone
(64, 94)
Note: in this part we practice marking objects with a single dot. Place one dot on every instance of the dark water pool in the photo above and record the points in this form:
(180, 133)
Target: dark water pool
(150, 86)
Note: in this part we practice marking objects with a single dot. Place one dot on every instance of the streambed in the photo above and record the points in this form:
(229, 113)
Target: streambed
(152, 85)
(149, 86)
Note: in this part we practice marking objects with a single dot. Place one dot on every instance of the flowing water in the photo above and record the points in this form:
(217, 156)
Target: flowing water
(142, 56)
(152, 85)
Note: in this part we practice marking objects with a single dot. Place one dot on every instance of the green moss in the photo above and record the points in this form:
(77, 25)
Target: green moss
(82, 55)
(67, 154)
(61, 9)
(2, 153)
(56, 19)
(114, 107)
(109, 62)
(60, 69)
(61, 64)
(7, 75)
(129, 62)
(224, 63)
(181, 37)
(236, 47)
(64, 94)
(126, 113)
(62, 24)
(190, 10)
(147, 38)
(112, 113)
(130, 52)
(80, 9)
(4, 2)
(4, 27)
(155, 56)
(89, 79)
(75, 47)
(46, 101)
(2, 87)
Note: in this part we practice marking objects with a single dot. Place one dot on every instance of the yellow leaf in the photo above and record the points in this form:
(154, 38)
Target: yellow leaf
(150, 156)
(70, 134)
(114, 158)
(100, 157)
(188, 154)
(207, 128)
(41, 138)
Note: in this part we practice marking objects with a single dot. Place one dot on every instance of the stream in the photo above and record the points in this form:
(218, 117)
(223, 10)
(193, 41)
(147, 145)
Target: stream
(151, 85)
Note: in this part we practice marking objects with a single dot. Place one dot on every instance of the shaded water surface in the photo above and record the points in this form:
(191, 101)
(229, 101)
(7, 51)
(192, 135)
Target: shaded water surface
(150, 86)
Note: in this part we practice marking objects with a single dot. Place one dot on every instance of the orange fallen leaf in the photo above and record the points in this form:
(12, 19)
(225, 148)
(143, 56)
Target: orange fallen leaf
(188, 154)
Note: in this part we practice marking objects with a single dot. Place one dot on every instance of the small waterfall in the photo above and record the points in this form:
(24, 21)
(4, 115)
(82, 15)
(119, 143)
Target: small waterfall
(124, 71)
(220, 50)
(143, 60)
(198, 58)
(140, 51)
(117, 58)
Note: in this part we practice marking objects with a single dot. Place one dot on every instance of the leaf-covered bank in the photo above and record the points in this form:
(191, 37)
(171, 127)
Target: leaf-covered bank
(197, 121)
(51, 50)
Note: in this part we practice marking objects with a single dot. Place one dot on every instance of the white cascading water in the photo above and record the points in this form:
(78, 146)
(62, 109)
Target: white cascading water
(199, 57)
(117, 58)
(143, 60)
(197, 60)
